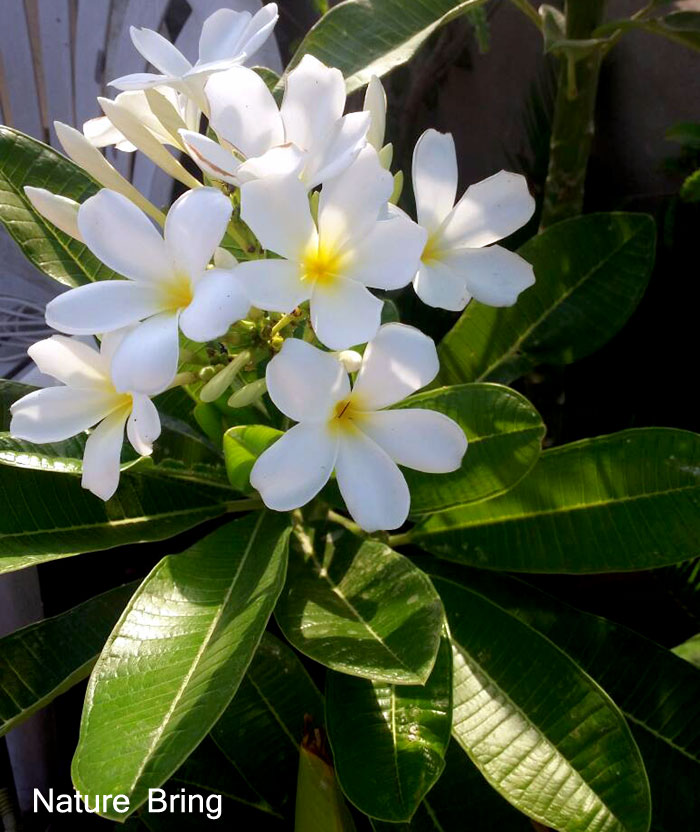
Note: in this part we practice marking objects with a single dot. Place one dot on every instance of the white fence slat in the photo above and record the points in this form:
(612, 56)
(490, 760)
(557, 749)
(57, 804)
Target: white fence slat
(89, 57)
(18, 67)
(56, 62)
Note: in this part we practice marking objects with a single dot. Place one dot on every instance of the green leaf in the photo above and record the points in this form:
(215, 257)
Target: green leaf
(48, 516)
(690, 189)
(176, 657)
(362, 609)
(591, 273)
(609, 504)
(686, 133)
(505, 434)
(242, 446)
(461, 793)
(43, 660)
(25, 161)
(657, 692)
(370, 37)
(261, 730)
(389, 741)
(690, 650)
(538, 728)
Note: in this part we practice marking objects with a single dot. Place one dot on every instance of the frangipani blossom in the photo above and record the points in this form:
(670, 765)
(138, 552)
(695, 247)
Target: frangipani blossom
(332, 262)
(308, 134)
(228, 38)
(86, 398)
(168, 284)
(350, 431)
(456, 264)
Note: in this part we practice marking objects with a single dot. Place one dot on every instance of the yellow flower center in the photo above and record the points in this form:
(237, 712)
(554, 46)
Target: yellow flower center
(433, 250)
(346, 414)
(177, 293)
(321, 264)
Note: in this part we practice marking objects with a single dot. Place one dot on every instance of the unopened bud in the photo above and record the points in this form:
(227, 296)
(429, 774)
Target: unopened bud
(375, 105)
(206, 373)
(398, 188)
(216, 386)
(351, 360)
(386, 156)
(249, 394)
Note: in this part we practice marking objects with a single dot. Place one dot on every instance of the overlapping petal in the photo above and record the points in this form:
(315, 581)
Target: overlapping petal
(102, 455)
(397, 362)
(493, 275)
(275, 285)
(314, 99)
(438, 285)
(159, 52)
(57, 413)
(222, 34)
(70, 361)
(211, 157)
(305, 383)
(146, 360)
(344, 313)
(295, 468)
(143, 425)
(434, 178)
(388, 256)
(219, 300)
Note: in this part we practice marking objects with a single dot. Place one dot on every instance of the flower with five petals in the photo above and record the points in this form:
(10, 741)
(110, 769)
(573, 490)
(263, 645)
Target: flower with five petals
(351, 432)
(169, 284)
(458, 262)
(354, 244)
(87, 397)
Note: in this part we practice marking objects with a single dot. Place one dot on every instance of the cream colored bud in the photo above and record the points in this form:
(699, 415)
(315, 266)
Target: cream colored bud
(351, 360)
(398, 188)
(223, 379)
(250, 394)
(375, 105)
(386, 156)
(59, 210)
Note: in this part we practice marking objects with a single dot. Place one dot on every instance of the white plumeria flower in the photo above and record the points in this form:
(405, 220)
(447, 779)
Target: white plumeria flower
(169, 284)
(456, 266)
(333, 262)
(308, 134)
(228, 38)
(87, 397)
(351, 432)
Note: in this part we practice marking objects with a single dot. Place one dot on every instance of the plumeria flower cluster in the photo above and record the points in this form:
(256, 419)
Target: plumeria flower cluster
(271, 266)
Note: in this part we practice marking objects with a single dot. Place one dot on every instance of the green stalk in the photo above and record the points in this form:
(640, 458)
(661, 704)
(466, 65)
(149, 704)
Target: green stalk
(574, 117)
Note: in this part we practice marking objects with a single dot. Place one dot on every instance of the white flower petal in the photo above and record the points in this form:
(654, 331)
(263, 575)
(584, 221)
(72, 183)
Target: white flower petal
(314, 98)
(123, 238)
(335, 151)
(100, 132)
(70, 361)
(284, 160)
(102, 307)
(305, 382)
(159, 52)
(146, 360)
(372, 486)
(387, 258)
(350, 204)
(489, 211)
(438, 285)
(259, 29)
(102, 455)
(194, 227)
(219, 301)
(293, 470)
(344, 313)
(109, 344)
(143, 427)
(243, 111)
(375, 105)
(59, 210)
(493, 275)
(138, 81)
(396, 363)
(57, 413)
(211, 157)
(274, 285)
(277, 211)
(421, 439)
(434, 178)
(222, 35)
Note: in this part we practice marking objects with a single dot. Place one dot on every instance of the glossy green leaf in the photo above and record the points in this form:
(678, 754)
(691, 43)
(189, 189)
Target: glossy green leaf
(389, 741)
(370, 37)
(320, 806)
(658, 693)
(537, 727)
(679, 27)
(626, 501)
(689, 650)
(591, 273)
(177, 656)
(47, 516)
(261, 730)
(461, 793)
(26, 161)
(505, 433)
(43, 660)
(242, 446)
(363, 609)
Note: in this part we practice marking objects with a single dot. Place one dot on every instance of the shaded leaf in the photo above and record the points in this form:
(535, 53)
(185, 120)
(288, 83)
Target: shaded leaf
(176, 657)
(242, 446)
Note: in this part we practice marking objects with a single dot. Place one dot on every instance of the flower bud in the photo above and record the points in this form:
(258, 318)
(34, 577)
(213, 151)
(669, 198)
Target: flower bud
(375, 105)
(206, 374)
(59, 210)
(386, 156)
(222, 380)
(351, 360)
(249, 394)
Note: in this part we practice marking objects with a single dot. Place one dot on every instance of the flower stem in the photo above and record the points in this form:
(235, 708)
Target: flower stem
(284, 321)
(400, 539)
(244, 505)
(346, 523)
